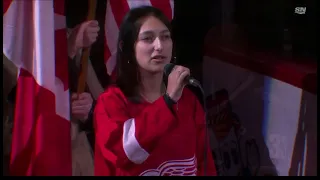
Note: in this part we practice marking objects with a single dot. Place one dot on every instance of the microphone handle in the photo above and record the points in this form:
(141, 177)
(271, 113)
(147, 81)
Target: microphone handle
(192, 81)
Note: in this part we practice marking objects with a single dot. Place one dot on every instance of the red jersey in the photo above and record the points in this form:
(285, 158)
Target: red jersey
(149, 139)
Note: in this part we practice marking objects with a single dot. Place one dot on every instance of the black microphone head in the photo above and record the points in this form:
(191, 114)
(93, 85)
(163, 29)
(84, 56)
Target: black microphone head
(168, 68)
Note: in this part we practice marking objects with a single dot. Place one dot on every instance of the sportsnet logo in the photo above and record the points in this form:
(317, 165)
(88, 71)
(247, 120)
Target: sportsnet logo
(186, 167)
(300, 10)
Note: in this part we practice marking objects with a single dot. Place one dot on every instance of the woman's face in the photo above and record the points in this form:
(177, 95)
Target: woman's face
(153, 47)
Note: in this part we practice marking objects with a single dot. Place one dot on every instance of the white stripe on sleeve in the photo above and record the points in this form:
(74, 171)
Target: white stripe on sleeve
(132, 148)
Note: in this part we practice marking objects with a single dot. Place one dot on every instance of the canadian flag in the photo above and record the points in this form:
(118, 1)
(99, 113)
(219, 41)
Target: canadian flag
(116, 10)
(34, 39)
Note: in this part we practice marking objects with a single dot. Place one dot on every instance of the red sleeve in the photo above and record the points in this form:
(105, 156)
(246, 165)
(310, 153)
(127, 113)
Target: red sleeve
(200, 124)
(123, 139)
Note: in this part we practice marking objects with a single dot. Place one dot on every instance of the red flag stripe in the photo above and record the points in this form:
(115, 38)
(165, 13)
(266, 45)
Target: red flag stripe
(164, 6)
(6, 4)
(58, 6)
(61, 58)
(61, 49)
(45, 147)
(119, 9)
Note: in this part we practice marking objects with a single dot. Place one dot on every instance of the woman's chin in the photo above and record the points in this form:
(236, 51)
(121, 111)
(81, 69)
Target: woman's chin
(156, 68)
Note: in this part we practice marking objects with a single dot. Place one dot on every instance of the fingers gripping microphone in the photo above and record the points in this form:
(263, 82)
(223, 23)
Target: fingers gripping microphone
(189, 80)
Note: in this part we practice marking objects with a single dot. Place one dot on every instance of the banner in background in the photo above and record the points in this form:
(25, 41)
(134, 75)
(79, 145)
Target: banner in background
(259, 125)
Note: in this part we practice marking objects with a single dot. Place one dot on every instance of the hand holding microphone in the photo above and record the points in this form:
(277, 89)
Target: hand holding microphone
(177, 76)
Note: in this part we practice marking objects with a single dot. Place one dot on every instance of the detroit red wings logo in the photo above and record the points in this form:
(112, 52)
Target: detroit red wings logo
(186, 167)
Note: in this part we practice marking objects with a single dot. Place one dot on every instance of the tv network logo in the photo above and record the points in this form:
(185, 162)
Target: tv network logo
(300, 10)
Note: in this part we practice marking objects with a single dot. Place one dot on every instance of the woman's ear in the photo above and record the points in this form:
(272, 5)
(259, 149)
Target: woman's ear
(173, 60)
(174, 55)
(120, 45)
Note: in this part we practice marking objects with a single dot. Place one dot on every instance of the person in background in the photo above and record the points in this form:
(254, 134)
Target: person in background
(82, 105)
(145, 125)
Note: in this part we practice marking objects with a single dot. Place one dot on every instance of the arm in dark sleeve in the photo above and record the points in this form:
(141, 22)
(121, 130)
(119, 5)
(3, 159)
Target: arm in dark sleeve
(125, 140)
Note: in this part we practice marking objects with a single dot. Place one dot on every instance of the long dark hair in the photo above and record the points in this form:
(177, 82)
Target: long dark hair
(128, 77)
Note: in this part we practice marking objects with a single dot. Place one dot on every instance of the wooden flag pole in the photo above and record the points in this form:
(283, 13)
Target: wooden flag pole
(86, 51)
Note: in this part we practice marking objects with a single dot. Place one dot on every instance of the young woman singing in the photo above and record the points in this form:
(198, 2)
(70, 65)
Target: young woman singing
(143, 125)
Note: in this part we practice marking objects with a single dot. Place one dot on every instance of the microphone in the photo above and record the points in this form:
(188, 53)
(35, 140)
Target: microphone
(188, 80)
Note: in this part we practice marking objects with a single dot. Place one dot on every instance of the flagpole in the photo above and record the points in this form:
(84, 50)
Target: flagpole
(86, 51)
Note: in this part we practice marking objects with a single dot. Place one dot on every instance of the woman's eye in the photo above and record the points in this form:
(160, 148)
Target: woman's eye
(165, 37)
(147, 39)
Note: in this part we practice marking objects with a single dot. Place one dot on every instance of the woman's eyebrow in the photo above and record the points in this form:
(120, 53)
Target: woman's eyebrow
(152, 32)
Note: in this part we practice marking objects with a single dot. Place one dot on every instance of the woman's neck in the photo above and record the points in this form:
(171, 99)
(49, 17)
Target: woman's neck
(151, 86)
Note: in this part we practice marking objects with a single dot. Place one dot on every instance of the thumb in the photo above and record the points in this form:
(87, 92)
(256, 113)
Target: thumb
(74, 96)
(79, 29)
(82, 26)
(93, 23)
(86, 24)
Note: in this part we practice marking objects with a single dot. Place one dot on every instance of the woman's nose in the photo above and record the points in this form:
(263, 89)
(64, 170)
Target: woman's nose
(158, 46)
